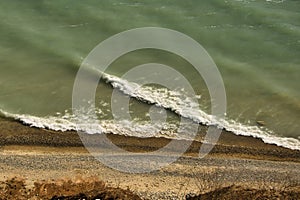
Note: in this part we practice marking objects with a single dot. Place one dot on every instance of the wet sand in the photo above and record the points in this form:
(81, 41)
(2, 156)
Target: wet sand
(38, 154)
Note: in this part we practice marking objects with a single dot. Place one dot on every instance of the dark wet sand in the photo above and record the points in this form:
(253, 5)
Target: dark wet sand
(38, 154)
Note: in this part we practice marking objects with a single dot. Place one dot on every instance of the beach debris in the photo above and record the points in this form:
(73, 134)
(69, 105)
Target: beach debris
(261, 122)
(80, 188)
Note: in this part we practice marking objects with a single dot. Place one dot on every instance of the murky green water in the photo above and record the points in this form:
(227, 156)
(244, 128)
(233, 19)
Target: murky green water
(255, 44)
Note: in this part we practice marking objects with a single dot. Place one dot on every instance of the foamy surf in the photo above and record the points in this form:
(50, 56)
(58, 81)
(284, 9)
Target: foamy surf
(187, 108)
(141, 130)
(67, 122)
(175, 101)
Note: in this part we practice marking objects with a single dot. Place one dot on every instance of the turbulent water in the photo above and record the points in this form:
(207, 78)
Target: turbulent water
(255, 44)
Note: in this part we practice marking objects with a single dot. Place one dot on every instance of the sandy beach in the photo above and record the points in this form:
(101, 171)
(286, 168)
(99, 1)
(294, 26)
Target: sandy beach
(236, 166)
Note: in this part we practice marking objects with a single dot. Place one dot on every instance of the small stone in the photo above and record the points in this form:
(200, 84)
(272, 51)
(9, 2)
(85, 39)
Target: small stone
(261, 123)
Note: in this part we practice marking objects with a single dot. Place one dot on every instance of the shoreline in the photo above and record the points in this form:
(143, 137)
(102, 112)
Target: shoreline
(14, 133)
(236, 161)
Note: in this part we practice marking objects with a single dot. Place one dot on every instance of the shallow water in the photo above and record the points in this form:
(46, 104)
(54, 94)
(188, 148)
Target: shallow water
(255, 44)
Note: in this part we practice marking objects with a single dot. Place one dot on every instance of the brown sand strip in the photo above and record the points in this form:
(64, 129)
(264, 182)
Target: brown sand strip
(187, 176)
(15, 133)
(244, 162)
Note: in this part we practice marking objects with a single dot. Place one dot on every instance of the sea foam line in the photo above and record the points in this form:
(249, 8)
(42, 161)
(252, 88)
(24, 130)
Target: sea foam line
(187, 108)
(142, 130)
(171, 100)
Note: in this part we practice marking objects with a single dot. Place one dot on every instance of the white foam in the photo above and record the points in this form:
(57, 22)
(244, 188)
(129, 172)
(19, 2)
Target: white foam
(123, 127)
(137, 129)
(175, 101)
(186, 107)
